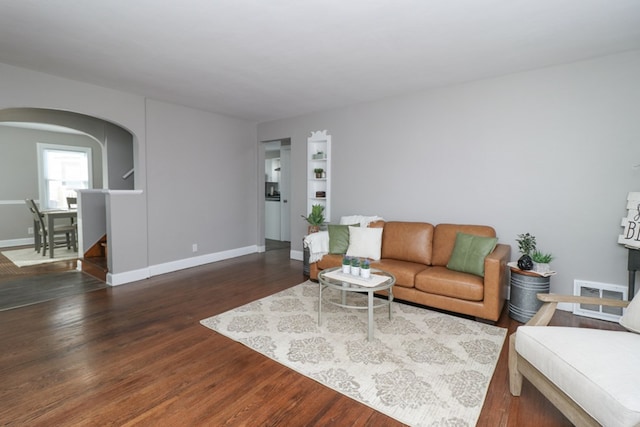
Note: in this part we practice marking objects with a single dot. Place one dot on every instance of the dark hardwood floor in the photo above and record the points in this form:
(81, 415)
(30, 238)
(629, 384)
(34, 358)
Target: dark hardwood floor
(21, 286)
(136, 355)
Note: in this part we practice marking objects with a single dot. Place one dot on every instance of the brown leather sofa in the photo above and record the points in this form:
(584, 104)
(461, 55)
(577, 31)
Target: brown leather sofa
(417, 254)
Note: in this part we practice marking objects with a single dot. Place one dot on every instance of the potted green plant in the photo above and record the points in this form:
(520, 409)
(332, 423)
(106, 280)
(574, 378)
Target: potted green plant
(318, 172)
(541, 261)
(365, 269)
(346, 264)
(315, 218)
(526, 246)
(355, 266)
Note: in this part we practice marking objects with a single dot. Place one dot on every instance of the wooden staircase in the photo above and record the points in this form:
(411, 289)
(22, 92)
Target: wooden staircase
(95, 260)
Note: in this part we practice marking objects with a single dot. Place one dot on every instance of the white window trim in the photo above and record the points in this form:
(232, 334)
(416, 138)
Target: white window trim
(41, 147)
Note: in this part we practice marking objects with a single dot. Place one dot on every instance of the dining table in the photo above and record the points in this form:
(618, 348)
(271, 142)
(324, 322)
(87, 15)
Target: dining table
(50, 217)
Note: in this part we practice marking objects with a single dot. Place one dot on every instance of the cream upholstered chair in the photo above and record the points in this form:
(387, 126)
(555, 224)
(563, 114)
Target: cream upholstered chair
(47, 236)
(591, 375)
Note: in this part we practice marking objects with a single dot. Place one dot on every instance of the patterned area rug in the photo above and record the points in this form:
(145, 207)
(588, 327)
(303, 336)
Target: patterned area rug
(28, 256)
(423, 368)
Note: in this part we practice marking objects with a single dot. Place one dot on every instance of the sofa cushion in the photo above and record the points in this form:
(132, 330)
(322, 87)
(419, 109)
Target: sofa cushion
(598, 369)
(330, 260)
(407, 241)
(450, 283)
(469, 253)
(338, 238)
(364, 242)
(444, 239)
(631, 317)
(404, 271)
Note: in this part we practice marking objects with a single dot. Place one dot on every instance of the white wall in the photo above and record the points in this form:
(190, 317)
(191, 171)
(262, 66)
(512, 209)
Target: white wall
(550, 152)
(202, 174)
(197, 185)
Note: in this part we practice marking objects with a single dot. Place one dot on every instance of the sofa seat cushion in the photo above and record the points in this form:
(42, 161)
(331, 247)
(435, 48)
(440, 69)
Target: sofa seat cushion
(404, 271)
(449, 283)
(597, 369)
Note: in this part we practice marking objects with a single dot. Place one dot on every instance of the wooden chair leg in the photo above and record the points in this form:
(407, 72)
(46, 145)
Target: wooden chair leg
(44, 243)
(515, 377)
(74, 241)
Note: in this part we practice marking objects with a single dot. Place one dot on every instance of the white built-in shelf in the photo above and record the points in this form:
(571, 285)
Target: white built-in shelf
(319, 142)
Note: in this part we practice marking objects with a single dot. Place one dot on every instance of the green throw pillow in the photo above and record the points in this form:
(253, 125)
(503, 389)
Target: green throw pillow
(469, 253)
(338, 238)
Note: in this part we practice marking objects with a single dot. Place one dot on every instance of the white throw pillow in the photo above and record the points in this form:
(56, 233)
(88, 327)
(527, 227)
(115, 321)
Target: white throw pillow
(365, 242)
(631, 317)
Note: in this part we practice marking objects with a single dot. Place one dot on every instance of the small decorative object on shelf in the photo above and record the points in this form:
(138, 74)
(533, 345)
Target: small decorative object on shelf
(346, 264)
(315, 218)
(526, 246)
(365, 269)
(355, 266)
(318, 172)
(321, 194)
(318, 156)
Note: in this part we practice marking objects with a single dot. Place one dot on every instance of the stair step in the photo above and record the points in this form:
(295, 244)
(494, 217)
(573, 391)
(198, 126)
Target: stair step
(96, 267)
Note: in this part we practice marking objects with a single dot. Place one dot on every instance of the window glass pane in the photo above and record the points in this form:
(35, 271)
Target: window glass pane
(64, 171)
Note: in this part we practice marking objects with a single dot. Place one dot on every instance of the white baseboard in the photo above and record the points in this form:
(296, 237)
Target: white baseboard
(169, 267)
(127, 277)
(297, 255)
(16, 242)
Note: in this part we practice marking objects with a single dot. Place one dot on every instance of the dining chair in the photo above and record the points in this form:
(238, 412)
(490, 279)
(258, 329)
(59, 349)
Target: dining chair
(47, 237)
(72, 202)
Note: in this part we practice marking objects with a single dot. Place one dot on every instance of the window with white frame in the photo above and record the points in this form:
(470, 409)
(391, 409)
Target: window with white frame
(62, 169)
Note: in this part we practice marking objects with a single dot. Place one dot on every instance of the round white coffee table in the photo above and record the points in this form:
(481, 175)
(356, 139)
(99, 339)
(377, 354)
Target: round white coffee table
(333, 278)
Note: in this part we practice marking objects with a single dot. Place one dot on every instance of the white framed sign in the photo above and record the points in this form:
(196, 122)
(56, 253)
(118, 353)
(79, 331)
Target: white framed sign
(631, 235)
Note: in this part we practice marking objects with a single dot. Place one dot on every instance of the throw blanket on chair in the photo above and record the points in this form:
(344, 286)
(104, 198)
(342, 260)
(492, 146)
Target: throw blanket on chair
(318, 244)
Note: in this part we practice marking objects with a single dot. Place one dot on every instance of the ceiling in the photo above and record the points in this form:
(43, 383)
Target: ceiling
(268, 59)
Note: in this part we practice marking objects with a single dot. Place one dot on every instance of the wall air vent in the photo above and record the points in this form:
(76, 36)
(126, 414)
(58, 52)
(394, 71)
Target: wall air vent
(598, 290)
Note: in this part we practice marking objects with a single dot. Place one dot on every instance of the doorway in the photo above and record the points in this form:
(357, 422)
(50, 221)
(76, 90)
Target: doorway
(110, 167)
(277, 192)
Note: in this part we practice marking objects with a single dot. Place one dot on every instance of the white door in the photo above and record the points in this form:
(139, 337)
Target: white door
(285, 193)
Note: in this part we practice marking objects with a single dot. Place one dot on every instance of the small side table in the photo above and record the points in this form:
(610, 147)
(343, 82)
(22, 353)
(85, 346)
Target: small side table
(306, 269)
(525, 287)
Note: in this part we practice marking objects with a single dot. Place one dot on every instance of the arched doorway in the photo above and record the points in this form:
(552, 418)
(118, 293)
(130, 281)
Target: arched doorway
(22, 128)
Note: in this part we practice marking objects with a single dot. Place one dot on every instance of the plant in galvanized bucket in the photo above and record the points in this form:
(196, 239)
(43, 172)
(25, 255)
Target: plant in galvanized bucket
(526, 246)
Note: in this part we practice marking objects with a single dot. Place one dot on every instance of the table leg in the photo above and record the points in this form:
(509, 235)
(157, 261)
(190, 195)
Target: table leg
(370, 313)
(390, 294)
(51, 234)
(36, 235)
(319, 304)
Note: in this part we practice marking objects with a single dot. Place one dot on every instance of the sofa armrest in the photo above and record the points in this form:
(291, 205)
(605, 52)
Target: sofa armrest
(313, 271)
(496, 278)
